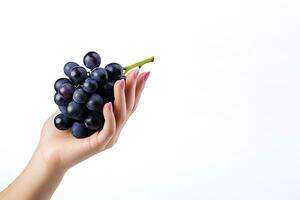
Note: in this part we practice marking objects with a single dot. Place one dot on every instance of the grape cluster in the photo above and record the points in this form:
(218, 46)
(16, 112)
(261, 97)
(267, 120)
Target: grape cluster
(81, 96)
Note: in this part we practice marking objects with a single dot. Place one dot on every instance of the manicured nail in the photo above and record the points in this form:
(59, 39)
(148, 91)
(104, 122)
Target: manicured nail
(110, 108)
(122, 84)
(146, 76)
(136, 73)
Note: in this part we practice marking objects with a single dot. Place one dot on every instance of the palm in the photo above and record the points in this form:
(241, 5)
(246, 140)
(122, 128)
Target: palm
(62, 146)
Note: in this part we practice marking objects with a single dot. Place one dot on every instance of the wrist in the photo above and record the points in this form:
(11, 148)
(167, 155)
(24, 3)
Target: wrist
(49, 156)
(46, 167)
(45, 176)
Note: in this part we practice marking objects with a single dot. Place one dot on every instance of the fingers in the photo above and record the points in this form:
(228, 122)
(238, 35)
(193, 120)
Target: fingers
(139, 88)
(130, 89)
(120, 102)
(109, 128)
(140, 84)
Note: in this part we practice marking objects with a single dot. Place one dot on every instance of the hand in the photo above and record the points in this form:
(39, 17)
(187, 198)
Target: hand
(60, 150)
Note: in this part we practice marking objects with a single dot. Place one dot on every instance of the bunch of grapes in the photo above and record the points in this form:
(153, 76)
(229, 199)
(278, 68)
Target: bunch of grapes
(81, 96)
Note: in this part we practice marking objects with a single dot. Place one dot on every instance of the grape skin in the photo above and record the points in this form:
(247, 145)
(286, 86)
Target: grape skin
(92, 60)
(62, 122)
(80, 96)
(90, 85)
(68, 67)
(59, 82)
(67, 90)
(100, 75)
(94, 121)
(79, 130)
(78, 75)
(113, 70)
(75, 110)
(108, 92)
(60, 100)
(95, 102)
(63, 110)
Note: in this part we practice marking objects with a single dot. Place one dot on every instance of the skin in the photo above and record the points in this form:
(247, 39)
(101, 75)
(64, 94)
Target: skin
(58, 151)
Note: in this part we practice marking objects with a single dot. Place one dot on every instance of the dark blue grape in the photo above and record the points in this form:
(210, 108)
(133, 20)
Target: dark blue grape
(94, 121)
(116, 78)
(60, 100)
(100, 75)
(62, 122)
(80, 96)
(108, 92)
(66, 90)
(78, 75)
(90, 85)
(95, 102)
(114, 70)
(59, 82)
(63, 110)
(79, 130)
(75, 110)
(68, 67)
(92, 60)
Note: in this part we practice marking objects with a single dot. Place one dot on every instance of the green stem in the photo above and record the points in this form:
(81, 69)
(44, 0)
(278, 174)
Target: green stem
(138, 64)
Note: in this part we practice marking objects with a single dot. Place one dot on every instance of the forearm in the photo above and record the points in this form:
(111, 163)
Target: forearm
(37, 181)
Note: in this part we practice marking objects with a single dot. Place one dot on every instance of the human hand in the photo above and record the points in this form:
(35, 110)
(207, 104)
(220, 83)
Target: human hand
(60, 150)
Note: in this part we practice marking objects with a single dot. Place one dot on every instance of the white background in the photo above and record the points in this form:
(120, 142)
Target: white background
(219, 118)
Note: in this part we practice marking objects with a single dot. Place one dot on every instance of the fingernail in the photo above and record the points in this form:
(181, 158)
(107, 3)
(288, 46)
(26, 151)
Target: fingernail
(146, 76)
(110, 108)
(136, 73)
(122, 84)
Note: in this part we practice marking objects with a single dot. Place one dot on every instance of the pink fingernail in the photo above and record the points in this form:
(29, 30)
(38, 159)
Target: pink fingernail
(146, 76)
(110, 108)
(136, 73)
(122, 84)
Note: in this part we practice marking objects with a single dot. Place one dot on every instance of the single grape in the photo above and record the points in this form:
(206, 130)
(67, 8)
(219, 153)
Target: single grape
(100, 75)
(113, 70)
(80, 96)
(66, 90)
(95, 102)
(68, 67)
(92, 60)
(108, 92)
(60, 100)
(59, 82)
(62, 122)
(78, 75)
(94, 121)
(63, 110)
(79, 130)
(75, 110)
(90, 85)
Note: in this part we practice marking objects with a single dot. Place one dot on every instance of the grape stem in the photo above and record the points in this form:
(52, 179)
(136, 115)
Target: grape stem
(138, 64)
